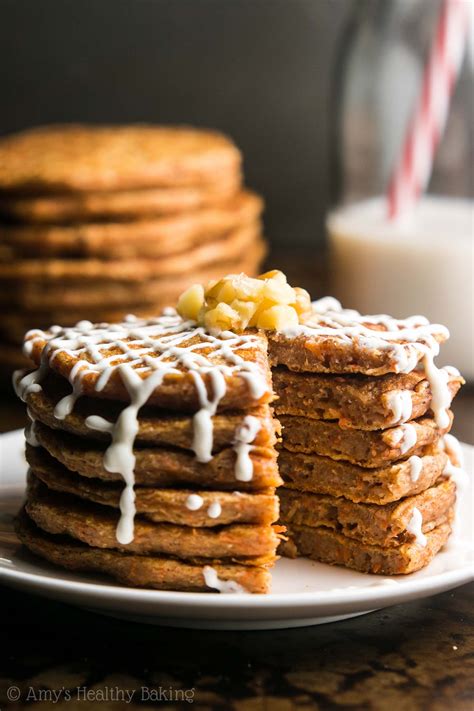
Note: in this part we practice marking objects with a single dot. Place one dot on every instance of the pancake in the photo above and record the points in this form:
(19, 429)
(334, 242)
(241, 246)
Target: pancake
(96, 526)
(371, 524)
(154, 426)
(164, 505)
(160, 572)
(381, 485)
(134, 270)
(94, 294)
(327, 546)
(371, 449)
(155, 438)
(157, 466)
(136, 240)
(144, 346)
(76, 157)
(336, 340)
(120, 204)
(356, 401)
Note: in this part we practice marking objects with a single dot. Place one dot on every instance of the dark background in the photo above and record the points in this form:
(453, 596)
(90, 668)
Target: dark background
(260, 70)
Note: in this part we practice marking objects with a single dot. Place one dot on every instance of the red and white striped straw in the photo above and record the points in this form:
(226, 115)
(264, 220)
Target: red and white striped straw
(413, 170)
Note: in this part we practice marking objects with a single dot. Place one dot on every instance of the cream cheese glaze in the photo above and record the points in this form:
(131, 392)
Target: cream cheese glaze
(415, 527)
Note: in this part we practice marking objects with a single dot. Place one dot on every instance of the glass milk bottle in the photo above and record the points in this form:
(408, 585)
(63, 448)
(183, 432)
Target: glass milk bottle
(422, 263)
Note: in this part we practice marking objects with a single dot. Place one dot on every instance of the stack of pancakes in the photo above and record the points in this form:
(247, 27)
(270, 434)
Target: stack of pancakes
(366, 459)
(198, 459)
(98, 222)
(169, 421)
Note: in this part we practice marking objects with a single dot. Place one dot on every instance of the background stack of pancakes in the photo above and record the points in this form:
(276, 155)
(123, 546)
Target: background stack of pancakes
(98, 222)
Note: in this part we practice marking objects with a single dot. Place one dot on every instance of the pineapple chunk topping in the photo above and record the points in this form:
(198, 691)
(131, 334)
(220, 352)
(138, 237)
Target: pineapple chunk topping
(237, 302)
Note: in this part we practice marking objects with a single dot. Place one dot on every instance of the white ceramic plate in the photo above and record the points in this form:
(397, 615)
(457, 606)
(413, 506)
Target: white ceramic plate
(304, 593)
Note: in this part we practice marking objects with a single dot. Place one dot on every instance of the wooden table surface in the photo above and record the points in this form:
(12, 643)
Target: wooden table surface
(417, 656)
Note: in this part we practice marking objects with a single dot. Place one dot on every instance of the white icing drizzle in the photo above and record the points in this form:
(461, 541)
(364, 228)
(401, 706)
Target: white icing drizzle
(96, 422)
(400, 403)
(416, 466)
(244, 435)
(214, 510)
(455, 471)
(194, 502)
(150, 350)
(30, 435)
(453, 449)
(405, 436)
(415, 527)
(440, 395)
(212, 580)
(30, 430)
(202, 420)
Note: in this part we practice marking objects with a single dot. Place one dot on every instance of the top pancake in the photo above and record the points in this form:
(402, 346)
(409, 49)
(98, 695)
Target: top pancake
(337, 340)
(184, 366)
(80, 158)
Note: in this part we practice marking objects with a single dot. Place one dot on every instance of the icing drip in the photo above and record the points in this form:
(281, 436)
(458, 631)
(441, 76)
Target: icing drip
(440, 395)
(400, 403)
(405, 436)
(416, 466)
(244, 435)
(455, 471)
(65, 406)
(415, 527)
(30, 430)
(95, 422)
(149, 350)
(30, 435)
(212, 580)
(29, 383)
(214, 510)
(202, 420)
(453, 449)
(194, 502)
(408, 341)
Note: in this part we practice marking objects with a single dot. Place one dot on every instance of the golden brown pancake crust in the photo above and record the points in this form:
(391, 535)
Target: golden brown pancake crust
(331, 354)
(230, 246)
